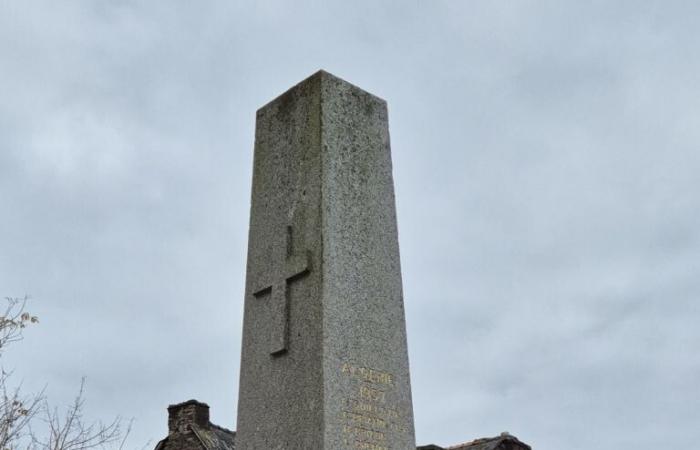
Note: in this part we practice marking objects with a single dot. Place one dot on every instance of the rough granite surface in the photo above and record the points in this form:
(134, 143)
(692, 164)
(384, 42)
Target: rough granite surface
(324, 362)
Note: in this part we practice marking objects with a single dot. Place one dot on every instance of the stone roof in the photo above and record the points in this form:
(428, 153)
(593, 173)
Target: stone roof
(189, 428)
(216, 438)
(503, 442)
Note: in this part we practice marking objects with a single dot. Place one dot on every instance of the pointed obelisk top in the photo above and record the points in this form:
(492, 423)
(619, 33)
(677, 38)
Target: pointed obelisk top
(319, 75)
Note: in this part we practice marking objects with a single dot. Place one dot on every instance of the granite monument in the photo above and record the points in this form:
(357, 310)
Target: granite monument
(324, 364)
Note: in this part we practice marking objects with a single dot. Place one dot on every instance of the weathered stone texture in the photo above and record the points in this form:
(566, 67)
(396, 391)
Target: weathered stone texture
(324, 362)
(189, 429)
(364, 326)
(504, 441)
(281, 396)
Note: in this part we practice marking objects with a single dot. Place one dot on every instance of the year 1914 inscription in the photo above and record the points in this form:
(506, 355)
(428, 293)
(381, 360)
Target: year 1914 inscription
(369, 414)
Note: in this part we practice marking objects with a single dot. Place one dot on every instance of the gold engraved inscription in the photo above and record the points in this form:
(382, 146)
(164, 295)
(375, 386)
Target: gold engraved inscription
(372, 395)
(367, 374)
(369, 413)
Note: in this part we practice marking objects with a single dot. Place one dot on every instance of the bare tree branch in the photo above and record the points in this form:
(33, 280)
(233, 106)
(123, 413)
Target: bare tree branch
(19, 412)
(69, 431)
(14, 320)
(16, 414)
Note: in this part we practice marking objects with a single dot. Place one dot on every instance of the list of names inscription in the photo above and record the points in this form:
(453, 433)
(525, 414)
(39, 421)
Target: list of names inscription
(369, 414)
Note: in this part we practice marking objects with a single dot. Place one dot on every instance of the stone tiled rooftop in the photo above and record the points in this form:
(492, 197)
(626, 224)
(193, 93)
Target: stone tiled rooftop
(189, 429)
(503, 442)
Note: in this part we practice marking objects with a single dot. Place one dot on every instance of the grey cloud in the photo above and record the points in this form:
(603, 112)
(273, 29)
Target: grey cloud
(545, 163)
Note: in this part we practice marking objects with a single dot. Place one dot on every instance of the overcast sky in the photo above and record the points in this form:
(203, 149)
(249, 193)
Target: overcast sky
(547, 169)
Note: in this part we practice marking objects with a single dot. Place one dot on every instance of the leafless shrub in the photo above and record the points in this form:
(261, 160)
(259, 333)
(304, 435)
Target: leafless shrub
(69, 431)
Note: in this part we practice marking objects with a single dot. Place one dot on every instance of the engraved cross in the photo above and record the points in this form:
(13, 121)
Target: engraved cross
(286, 269)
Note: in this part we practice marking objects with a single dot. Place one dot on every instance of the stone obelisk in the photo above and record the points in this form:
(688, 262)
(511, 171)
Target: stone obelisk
(324, 364)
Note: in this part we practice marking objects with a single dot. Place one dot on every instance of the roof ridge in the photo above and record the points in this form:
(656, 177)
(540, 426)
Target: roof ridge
(213, 425)
(196, 431)
(501, 437)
